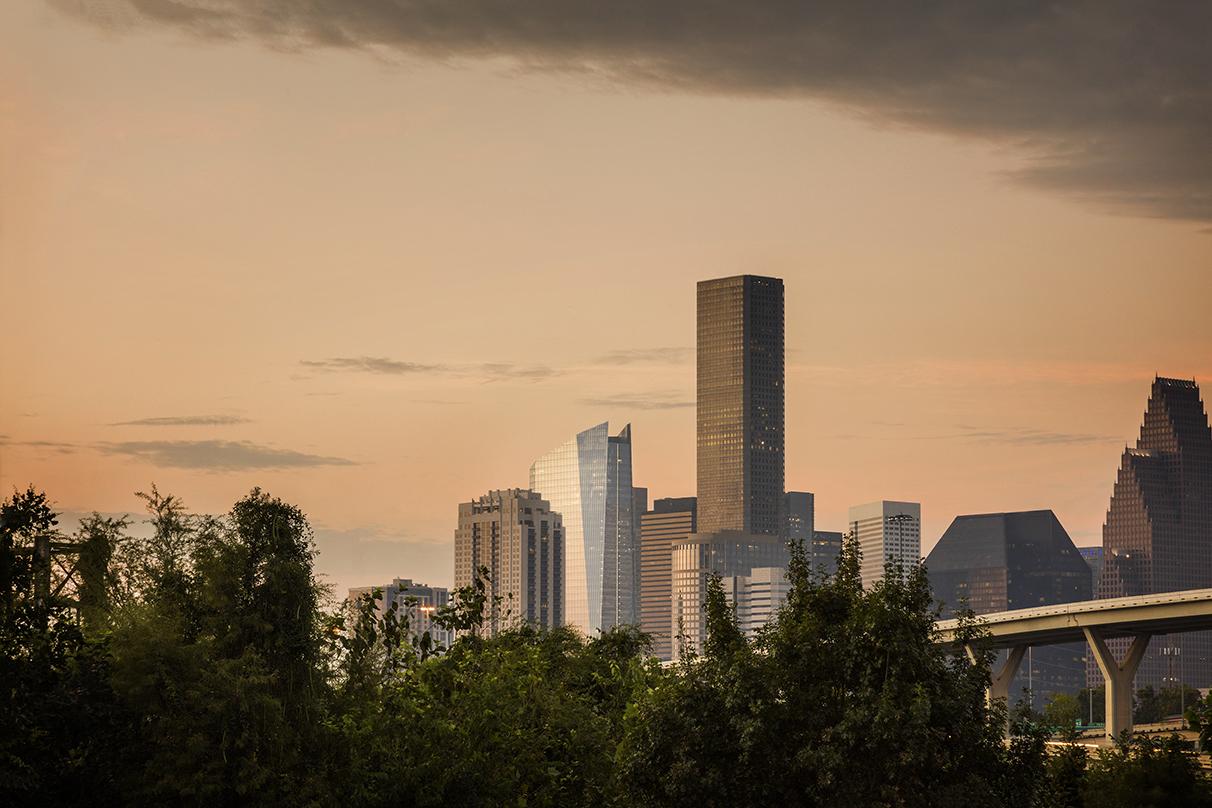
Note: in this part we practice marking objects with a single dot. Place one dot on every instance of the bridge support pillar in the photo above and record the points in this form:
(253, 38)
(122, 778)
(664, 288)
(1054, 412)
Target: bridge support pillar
(1118, 677)
(999, 680)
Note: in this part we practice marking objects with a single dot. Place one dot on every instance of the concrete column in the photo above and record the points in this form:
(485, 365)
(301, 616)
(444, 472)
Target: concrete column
(999, 680)
(1118, 677)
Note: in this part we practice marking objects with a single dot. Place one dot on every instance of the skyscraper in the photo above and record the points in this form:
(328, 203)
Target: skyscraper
(515, 534)
(418, 602)
(995, 562)
(887, 532)
(799, 517)
(740, 420)
(588, 482)
(825, 549)
(740, 437)
(670, 519)
(1158, 533)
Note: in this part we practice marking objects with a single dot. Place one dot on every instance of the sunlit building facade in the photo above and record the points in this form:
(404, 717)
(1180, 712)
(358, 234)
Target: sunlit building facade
(740, 405)
(517, 536)
(587, 480)
(888, 532)
(671, 519)
(414, 602)
(756, 597)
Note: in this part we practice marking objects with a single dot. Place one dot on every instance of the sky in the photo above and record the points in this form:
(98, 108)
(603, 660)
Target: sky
(377, 258)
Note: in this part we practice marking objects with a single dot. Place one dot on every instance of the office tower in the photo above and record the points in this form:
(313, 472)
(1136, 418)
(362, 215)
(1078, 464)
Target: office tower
(798, 517)
(418, 602)
(727, 553)
(740, 437)
(670, 518)
(639, 507)
(1158, 533)
(756, 596)
(740, 404)
(824, 551)
(587, 480)
(1000, 561)
(887, 532)
(1093, 556)
(518, 537)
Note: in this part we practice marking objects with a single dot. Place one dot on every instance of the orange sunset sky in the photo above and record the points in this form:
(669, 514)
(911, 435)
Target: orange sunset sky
(378, 274)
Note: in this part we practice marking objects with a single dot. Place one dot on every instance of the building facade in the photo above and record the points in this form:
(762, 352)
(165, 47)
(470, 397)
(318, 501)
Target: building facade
(757, 596)
(416, 602)
(587, 480)
(996, 562)
(1093, 557)
(696, 558)
(799, 516)
(888, 532)
(740, 405)
(1157, 536)
(824, 551)
(515, 534)
(671, 519)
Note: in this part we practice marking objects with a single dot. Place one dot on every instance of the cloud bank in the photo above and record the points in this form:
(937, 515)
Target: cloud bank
(217, 455)
(1107, 100)
(186, 420)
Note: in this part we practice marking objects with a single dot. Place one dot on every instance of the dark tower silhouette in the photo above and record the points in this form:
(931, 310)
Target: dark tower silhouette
(1158, 533)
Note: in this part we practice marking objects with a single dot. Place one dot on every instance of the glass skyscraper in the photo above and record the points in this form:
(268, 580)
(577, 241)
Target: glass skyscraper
(587, 480)
(740, 418)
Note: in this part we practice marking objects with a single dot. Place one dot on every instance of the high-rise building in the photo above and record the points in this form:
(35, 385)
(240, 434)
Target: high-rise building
(740, 445)
(416, 602)
(1093, 556)
(798, 516)
(887, 532)
(671, 518)
(517, 536)
(696, 558)
(824, 551)
(757, 596)
(588, 482)
(740, 420)
(996, 562)
(1158, 533)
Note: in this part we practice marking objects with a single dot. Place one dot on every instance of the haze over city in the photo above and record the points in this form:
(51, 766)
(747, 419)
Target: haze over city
(378, 277)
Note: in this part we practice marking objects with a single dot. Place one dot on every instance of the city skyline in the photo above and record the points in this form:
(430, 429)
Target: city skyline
(957, 337)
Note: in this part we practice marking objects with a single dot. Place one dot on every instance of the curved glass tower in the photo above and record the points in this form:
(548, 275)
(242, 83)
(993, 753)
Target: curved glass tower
(587, 480)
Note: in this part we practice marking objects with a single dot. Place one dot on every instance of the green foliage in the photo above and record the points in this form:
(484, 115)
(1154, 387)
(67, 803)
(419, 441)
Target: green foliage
(205, 671)
(1062, 714)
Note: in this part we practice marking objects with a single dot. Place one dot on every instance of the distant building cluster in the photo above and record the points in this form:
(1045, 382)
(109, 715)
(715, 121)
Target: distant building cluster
(582, 547)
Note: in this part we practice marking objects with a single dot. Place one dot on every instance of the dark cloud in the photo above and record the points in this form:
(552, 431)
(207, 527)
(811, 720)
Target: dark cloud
(669, 356)
(186, 420)
(1109, 100)
(640, 401)
(217, 455)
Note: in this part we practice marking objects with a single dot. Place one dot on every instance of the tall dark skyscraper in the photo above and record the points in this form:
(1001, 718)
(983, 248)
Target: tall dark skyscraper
(1158, 533)
(740, 405)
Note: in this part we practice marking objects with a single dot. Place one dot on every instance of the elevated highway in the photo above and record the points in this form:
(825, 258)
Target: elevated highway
(1095, 621)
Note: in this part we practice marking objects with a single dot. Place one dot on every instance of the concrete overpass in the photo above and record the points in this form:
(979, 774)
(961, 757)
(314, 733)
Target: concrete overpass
(1095, 621)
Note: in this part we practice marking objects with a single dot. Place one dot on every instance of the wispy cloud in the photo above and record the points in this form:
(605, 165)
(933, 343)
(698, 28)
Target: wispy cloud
(633, 356)
(384, 366)
(372, 364)
(1034, 437)
(218, 455)
(186, 420)
(640, 401)
(57, 447)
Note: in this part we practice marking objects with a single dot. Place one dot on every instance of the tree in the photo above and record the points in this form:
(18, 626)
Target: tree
(1062, 714)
